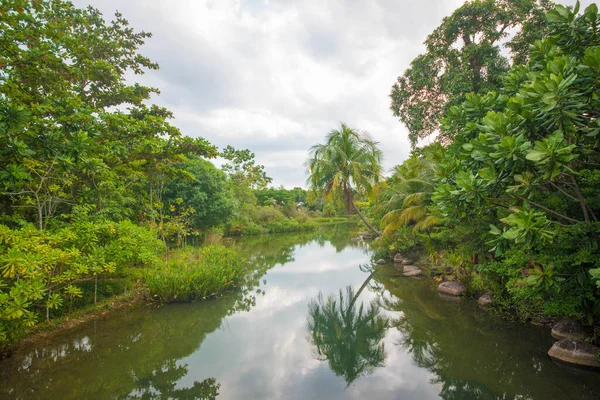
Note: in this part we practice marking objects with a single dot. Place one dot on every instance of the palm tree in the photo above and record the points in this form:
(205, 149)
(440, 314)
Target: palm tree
(408, 191)
(348, 161)
(347, 336)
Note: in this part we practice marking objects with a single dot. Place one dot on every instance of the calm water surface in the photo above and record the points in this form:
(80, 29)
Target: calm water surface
(316, 323)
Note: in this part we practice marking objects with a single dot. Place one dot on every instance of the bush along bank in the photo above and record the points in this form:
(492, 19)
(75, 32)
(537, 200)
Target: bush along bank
(257, 220)
(46, 275)
(508, 200)
(195, 274)
(574, 342)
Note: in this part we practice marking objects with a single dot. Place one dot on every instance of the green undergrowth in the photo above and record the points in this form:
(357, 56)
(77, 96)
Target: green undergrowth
(278, 225)
(195, 274)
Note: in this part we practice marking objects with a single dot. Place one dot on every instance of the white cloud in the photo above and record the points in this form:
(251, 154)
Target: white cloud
(276, 76)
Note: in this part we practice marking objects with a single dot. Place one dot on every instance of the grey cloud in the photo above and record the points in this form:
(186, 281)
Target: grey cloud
(275, 76)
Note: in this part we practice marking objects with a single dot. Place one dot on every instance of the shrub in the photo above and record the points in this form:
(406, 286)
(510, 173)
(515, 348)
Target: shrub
(266, 214)
(41, 272)
(195, 274)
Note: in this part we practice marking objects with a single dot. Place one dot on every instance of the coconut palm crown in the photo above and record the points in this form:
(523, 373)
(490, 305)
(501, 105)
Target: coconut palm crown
(349, 161)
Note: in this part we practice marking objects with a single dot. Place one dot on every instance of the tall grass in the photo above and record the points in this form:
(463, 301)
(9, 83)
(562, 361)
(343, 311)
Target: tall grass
(195, 274)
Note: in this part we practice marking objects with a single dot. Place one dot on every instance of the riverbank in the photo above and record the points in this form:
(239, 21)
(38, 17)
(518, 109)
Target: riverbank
(407, 342)
(469, 290)
(134, 297)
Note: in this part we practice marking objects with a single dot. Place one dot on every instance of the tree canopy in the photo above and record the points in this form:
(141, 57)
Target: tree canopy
(349, 160)
(465, 54)
(514, 195)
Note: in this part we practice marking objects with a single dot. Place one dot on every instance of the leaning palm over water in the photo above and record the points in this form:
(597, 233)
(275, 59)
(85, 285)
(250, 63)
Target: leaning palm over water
(348, 161)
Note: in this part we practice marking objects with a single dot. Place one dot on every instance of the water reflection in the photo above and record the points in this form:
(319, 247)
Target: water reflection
(137, 354)
(389, 338)
(472, 354)
(161, 384)
(346, 334)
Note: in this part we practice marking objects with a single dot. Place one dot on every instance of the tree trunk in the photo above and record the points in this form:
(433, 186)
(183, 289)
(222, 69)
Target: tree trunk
(95, 289)
(362, 287)
(48, 308)
(367, 223)
(584, 208)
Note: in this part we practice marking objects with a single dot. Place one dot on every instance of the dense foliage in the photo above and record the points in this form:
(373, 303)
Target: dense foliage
(95, 183)
(466, 53)
(513, 200)
(43, 271)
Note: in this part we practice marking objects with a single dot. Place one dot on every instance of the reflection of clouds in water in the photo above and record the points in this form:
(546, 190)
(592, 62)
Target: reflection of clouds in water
(276, 299)
(400, 375)
(266, 350)
(314, 260)
(311, 268)
(262, 355)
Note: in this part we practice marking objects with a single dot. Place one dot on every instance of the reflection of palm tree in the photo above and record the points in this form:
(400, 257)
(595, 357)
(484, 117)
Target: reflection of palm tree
(349, 337)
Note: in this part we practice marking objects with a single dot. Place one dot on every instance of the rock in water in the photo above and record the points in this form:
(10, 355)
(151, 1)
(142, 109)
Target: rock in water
(568, 329)
(485, 299)
(381, 261)
(406, 261)
(452, 288)
(398, 258)
(575, 352)
(411, 270)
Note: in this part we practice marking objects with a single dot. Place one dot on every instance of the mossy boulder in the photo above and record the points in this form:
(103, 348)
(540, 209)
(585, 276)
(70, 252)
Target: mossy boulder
(452, 288)
(568, 329)
(485, 299)
(575, 352)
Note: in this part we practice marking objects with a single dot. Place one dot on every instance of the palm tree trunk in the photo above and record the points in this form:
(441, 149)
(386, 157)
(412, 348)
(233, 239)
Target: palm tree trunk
(367, 223)
(362, 287)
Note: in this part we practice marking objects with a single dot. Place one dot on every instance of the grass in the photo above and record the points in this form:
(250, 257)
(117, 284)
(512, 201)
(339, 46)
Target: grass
(333, 220)
(279, 225)
(195, 274)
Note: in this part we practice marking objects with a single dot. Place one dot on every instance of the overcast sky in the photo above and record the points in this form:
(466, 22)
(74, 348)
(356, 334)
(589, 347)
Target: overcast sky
(274, 76)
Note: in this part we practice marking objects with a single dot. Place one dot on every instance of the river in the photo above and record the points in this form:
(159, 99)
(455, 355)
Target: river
(315, 322)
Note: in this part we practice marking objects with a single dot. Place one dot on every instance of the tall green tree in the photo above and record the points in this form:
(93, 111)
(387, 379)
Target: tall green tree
(241, 167)
(348, 161)
(464, 54)
(205, 188)
(73, 129)
(527, 159)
